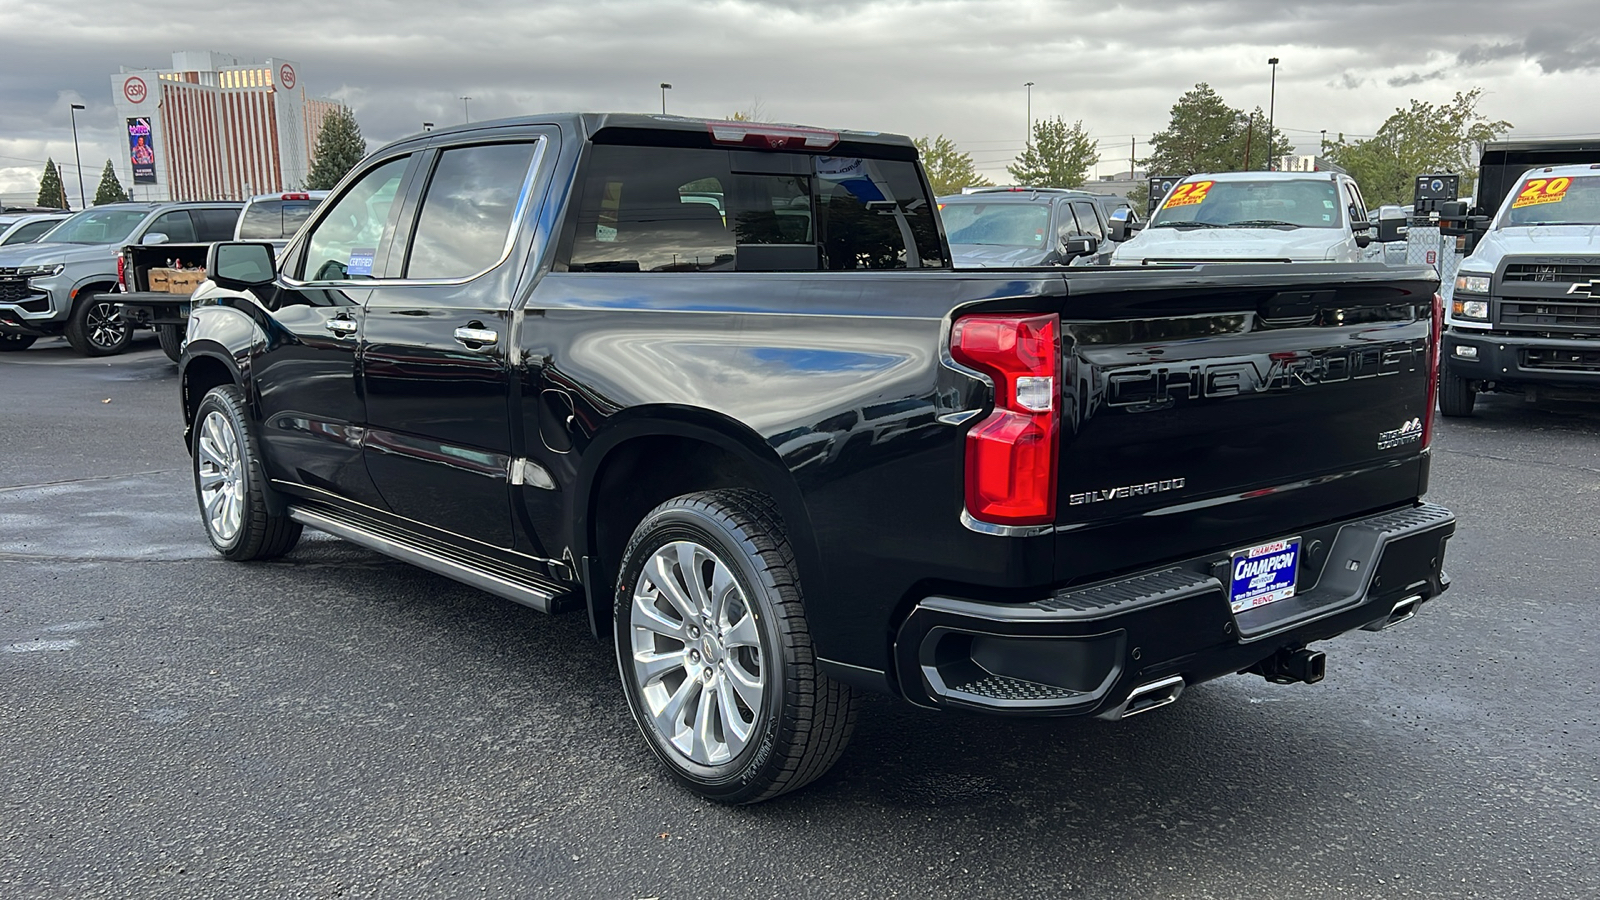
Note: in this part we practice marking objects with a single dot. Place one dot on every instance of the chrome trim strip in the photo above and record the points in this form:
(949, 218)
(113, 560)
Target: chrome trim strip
(484, 581)
(1004, 530)
(505, 254)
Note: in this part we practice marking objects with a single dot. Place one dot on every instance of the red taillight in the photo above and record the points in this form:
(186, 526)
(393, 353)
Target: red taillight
(772, 137)
(122, 265)
(1435, 348)
(296, 197)
(1011, 455)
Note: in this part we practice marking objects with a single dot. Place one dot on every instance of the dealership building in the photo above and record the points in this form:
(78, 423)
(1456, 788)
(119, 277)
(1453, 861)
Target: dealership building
(214, 127)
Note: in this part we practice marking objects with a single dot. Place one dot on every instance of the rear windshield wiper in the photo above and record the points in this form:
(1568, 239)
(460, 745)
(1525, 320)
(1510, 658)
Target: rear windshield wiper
(1249, 222)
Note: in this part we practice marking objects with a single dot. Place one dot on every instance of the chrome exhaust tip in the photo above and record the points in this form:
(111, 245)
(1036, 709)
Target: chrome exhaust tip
(1403, 610)
(1146, 697)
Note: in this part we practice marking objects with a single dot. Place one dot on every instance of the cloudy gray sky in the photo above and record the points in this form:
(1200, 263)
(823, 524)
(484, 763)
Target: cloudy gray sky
(955, 67)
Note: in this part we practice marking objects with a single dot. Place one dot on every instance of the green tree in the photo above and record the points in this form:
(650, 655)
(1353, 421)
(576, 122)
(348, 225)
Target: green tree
(949, 170)
(110, 189)
(1205, 134)
(1424, 139)
(1060, 155)
(51, 193)
(339, 147)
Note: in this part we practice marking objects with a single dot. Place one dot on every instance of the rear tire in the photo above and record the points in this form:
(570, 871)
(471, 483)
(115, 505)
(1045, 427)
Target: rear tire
(97, 326)
(229, 482)
(171, 338)
(1456, 395)
(13, 342)
(715, 654)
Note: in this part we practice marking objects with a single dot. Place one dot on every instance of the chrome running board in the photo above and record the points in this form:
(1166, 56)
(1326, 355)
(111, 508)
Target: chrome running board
(542, 599)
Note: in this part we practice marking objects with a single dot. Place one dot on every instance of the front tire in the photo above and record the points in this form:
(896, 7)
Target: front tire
(97, 326)
(1456, 395)
(13, 342)
(229, 482)
(715, 654)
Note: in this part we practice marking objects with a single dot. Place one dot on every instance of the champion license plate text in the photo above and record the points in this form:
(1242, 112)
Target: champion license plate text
(1264, 574)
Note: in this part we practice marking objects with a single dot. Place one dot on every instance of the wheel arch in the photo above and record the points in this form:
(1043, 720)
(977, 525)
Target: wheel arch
(205, 365)
(674, 450)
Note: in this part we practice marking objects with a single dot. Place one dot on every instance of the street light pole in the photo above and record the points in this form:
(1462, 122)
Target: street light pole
(1029, 141)
(1272, 102)
(664, 88)
(465, 112)
(82, 203)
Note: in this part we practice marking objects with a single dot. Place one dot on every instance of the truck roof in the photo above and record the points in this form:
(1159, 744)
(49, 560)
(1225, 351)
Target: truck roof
(785, 136)
(1571, 170)
(1264, 176)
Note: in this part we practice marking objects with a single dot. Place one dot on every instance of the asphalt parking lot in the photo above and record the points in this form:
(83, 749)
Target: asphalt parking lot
(337, 725)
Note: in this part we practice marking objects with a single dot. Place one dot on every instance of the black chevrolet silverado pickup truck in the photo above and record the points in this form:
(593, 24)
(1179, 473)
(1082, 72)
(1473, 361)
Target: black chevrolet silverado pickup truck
(716, 386)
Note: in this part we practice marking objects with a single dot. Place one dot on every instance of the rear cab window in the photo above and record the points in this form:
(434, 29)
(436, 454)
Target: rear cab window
(646, 208)
(276, 219)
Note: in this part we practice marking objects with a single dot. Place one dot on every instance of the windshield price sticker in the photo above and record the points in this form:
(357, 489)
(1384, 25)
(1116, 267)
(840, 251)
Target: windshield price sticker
(1264, 574)
(1188, 194)
(1542, 190)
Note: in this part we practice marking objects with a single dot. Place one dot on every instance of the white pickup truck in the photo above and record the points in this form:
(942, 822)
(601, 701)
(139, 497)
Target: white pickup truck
(1257, 217)
(1525, 314)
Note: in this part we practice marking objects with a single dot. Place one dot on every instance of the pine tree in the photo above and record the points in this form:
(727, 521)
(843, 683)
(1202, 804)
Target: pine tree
(1205, 134)
(110, 189)
(1060, 155)
(51, 194)
(339, 147)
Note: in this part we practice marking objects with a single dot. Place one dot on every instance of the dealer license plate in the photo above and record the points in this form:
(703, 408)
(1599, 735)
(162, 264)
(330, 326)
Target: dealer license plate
(1264, 574)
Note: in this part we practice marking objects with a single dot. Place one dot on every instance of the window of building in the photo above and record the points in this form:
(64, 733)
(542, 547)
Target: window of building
(668, 209)
(345, 243)
(466, 214)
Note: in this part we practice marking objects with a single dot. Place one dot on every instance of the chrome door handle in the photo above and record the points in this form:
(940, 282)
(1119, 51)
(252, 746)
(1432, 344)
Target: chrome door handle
(484, 336)
(340, 327)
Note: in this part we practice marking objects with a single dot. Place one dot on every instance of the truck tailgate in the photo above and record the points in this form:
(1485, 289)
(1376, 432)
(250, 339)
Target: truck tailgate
(1203, 410)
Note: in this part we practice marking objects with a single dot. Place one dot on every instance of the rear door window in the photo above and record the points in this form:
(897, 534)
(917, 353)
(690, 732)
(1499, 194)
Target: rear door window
(274, 220)
(176, 225)
(465, 223)
(214, 224)
(669, 209)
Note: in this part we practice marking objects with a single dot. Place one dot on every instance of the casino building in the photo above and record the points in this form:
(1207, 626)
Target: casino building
(213, 127)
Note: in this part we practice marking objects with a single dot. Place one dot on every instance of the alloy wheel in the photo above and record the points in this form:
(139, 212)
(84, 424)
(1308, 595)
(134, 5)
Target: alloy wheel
(697, 659)
(106, 326)
(220, 475)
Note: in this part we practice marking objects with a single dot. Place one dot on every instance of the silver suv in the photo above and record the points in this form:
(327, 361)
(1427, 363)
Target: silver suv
(59, 286)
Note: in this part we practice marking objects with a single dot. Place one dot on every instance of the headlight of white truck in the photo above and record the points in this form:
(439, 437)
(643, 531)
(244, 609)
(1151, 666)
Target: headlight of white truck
(1472, 284)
